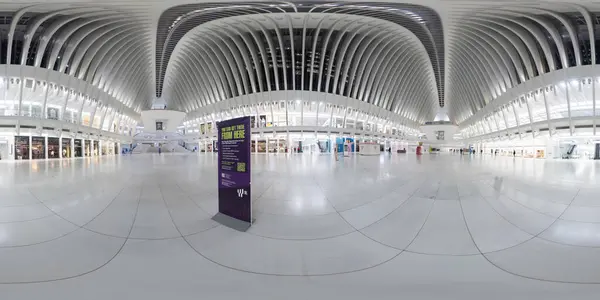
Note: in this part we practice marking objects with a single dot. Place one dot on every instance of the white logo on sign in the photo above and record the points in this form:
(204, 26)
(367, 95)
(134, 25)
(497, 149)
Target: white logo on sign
(241, 193)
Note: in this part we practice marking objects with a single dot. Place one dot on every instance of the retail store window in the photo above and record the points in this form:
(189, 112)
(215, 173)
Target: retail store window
(38, 148)
(53, 147)
(66, 147)
(21, 147)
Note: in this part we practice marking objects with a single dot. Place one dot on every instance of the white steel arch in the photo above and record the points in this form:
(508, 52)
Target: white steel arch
(82, 64)
(357, 57)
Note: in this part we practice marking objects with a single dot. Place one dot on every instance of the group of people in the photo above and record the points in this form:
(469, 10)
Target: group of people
(495, 152)
(473, 151)
(470, 151)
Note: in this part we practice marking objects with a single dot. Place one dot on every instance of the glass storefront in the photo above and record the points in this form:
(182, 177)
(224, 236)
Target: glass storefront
(262, 146)
(66, 148)
(3, 149)
(53, 148)
(96, 149)
(272, 146)
(88, 148)
(282, 146)
(21, 147)
(37, 147)
(296, 146)
(78, 148)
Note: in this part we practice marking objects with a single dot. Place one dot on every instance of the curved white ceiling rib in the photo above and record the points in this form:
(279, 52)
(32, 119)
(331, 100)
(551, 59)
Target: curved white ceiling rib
(359, 57)
(422, 21)
(494, 49)
(110, 48)
(491, 49)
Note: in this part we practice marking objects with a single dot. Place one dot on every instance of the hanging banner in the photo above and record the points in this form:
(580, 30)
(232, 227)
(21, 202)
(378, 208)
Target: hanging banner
(234, 168)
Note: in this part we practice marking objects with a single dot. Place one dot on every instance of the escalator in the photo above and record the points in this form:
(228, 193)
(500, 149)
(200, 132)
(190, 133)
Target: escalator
(570, 152)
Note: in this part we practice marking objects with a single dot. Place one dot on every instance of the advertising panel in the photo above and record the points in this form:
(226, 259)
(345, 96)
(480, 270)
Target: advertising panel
(234, 168)
(52, 113)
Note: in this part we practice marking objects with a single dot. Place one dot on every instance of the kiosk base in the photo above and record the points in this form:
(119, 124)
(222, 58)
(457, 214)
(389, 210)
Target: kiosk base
(231, 222)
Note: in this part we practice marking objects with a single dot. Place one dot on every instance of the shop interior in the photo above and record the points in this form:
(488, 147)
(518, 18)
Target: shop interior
(313, 145)
(36, 146)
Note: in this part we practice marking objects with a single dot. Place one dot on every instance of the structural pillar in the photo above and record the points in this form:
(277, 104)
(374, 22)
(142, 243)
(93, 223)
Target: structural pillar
(266, 144)
(45, 147)
(30, 150)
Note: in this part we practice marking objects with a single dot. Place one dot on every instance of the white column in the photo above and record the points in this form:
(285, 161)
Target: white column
(517, 120)
(30, 152)
(594, 104)
(46, 147)
(267, 144)
(60, 147)
(547, 112)
(567, 85)
(302, 112)
(72, 144)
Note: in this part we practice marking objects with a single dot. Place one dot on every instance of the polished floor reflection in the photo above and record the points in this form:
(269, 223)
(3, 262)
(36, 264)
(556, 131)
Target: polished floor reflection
(438, 227)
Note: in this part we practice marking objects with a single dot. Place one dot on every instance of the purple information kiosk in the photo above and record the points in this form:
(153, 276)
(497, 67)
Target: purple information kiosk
(235, 203)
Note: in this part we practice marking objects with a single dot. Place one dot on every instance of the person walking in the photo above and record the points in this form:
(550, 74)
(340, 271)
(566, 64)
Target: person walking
(335, 153)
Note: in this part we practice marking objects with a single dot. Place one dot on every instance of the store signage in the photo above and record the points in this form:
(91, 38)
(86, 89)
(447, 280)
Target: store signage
(234, 169)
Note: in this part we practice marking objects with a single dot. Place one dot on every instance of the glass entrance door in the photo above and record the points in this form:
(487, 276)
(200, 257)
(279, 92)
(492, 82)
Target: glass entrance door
(3, 150)
(66, 148)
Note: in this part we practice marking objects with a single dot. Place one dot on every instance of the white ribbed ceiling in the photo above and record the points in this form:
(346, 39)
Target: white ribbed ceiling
(412, 58)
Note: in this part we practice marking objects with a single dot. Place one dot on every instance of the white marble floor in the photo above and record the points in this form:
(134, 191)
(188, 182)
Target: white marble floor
(389, 227)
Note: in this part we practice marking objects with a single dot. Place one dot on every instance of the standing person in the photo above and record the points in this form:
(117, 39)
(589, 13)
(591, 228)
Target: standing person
(159, 150)
(514, 153)
(335, 153)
